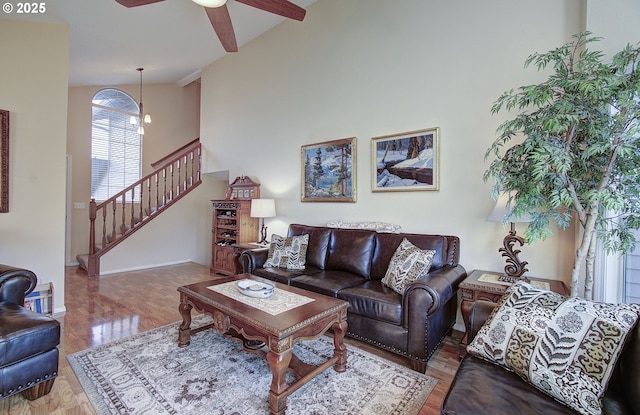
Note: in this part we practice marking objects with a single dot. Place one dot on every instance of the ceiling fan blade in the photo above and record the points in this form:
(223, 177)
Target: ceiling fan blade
(280, 7)
(221, 22)
(136, 3)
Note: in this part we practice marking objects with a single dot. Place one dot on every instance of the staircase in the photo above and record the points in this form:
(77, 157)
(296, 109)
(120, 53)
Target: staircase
(118, 217)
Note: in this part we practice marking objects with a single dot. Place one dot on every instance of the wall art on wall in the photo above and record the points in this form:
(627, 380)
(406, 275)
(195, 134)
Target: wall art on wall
(329, 171)
(405, 162)
(4, 161)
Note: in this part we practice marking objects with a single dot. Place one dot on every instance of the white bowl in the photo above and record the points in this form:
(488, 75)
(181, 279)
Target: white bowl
(255, 289)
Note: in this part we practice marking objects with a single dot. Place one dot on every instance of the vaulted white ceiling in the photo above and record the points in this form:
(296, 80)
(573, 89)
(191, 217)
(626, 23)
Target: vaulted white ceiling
(172, 40)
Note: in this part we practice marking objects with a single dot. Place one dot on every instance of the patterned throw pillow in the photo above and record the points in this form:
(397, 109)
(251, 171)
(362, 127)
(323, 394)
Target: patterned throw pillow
(408, 264)
(565, 346)
(289, 253)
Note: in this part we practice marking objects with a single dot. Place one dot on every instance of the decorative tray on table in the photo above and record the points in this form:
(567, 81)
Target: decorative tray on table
(255, 289)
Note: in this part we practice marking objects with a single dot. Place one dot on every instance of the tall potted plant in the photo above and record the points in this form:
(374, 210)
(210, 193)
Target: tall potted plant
(573, 150)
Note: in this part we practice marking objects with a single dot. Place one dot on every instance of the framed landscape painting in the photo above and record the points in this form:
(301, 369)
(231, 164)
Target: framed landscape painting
(405, 162)
(329, 171)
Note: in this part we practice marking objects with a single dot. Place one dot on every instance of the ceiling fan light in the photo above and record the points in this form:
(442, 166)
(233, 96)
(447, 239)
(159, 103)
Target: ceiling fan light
(133, 120)
(147, 119)
(210, 3)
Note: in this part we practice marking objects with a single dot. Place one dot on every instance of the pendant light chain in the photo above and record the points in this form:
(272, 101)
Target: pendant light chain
(140, 69)
(144, 119)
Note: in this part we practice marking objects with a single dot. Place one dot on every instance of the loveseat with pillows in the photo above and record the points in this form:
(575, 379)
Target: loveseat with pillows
(401, 287)
(539, 353)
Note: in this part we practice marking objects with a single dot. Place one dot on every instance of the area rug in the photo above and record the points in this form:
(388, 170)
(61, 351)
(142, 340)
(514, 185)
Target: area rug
(149, 374)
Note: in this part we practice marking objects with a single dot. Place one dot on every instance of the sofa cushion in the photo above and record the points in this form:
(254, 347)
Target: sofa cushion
(318, 243)
(24, 333)
(283, 275)
(327, 282)
(408, 264)
(374, 300)
(387, 244)
(565, 346)
(289, 253)
(351, 250)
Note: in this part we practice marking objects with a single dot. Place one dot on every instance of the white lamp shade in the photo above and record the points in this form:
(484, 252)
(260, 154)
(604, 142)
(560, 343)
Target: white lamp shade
(147, 119)
(210, 3)
(503, 208)
(263, 208)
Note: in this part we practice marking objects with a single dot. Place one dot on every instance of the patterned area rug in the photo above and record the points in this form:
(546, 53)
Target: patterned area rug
(149, 374)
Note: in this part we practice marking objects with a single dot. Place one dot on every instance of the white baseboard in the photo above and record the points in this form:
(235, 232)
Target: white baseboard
(149, 266)
(59, 311)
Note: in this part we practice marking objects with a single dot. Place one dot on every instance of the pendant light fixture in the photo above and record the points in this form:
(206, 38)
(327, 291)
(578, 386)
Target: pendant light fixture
(144, 118)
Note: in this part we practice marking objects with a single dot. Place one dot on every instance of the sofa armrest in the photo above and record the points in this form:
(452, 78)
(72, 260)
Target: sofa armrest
(478, 315)
(252, 259)
(16, 283)
(440, 285)
(429, 309)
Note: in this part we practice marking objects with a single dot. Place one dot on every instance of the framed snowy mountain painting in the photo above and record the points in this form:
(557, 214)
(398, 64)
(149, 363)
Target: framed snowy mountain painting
(329, 171)
(405, 162)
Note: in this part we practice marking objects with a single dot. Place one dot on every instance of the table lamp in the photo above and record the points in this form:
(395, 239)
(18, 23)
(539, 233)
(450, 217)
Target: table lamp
(515, 268)
(263, 208)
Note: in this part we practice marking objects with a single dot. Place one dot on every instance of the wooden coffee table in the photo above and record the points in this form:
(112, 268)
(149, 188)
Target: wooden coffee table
(271, 335)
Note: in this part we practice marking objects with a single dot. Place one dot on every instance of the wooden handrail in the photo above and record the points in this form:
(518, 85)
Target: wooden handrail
(124, 213)
(180, 150)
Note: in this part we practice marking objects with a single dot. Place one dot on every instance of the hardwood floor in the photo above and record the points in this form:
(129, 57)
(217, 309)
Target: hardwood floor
(107, 308)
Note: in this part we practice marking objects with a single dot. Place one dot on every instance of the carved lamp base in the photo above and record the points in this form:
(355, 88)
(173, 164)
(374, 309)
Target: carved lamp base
(511, 279)
(263, 234)
(515, 268)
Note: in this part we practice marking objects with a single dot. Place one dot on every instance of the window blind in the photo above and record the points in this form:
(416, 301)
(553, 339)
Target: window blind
(116, 146)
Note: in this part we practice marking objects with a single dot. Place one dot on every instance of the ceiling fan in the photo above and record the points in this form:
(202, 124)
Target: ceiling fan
(221, 21)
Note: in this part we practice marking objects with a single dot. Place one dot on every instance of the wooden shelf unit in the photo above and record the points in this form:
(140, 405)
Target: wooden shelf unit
(232, 225)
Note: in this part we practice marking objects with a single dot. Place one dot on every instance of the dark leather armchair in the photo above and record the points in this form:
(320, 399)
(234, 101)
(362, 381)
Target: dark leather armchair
(28, 341)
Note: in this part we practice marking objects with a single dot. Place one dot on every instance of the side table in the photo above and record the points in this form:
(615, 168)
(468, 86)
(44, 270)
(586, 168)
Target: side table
(225, 260)
(483, 285)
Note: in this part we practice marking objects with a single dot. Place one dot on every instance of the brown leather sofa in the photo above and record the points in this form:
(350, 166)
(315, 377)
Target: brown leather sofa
(350, 263)
(480, 387)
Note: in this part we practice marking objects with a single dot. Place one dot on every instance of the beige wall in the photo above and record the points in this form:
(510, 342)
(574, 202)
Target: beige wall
(175, 113)
(33, 87)
(359, 68)
(367, 68)
(616, 22)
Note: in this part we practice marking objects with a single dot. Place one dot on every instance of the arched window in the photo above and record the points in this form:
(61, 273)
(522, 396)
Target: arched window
(116, 145)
